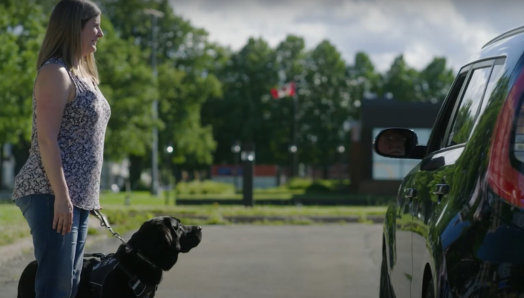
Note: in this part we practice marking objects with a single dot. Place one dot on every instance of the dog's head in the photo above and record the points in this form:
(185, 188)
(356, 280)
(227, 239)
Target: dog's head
(162, 238)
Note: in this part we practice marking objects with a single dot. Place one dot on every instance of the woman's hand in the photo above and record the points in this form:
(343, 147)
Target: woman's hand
(63, 219)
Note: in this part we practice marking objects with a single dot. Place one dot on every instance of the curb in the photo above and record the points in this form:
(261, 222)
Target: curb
(375, 219)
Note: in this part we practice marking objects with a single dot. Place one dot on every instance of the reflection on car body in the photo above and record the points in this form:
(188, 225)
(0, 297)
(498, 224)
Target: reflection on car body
(457, 226)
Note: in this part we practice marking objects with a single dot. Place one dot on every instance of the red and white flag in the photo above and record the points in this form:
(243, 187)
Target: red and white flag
(286, 90)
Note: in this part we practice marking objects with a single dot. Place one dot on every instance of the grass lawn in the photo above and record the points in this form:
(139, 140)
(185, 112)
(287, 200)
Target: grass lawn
(143, 207)
(142, 197)
(12, 224)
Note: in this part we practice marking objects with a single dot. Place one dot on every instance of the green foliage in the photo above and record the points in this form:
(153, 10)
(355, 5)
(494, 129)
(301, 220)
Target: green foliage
(205, 187)
(92, 231)
(435, 80)
(12, 224)
(324, 106)
(186, 61)
(407, 84)
(21, 27)
(317, 186)
(128, 85)
(247, 79)
(209, 96)
(362, 78)
(299, 183)
(401, 81)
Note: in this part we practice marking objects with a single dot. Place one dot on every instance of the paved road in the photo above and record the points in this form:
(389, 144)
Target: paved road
(264, 261)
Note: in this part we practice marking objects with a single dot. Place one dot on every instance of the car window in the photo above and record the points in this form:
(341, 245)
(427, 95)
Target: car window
(436, 140)
(493, 80)
(467, 111)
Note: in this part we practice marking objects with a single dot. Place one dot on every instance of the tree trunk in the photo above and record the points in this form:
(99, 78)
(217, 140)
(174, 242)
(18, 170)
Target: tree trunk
(135, 170)
(325, 171)
(20, 152)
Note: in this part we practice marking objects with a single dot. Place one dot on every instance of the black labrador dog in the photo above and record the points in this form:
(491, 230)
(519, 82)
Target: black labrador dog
(135, 270)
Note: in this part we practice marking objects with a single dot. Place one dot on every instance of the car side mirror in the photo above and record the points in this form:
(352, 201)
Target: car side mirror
(396, 143)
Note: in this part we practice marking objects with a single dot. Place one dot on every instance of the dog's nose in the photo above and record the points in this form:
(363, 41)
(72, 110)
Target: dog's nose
(199, 228)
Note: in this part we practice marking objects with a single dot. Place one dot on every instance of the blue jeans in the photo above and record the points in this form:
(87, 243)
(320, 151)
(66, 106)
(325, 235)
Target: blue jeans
(59, 257)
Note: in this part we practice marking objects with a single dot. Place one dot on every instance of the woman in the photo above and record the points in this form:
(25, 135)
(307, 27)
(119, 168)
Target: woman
(59, 184)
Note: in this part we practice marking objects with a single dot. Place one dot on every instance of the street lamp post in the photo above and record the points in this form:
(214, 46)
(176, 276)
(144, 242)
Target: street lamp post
(341, 149)
(155, 14)
(294, 137)
(168, 179)
(293, 150)
(236, 150)
(248, 160)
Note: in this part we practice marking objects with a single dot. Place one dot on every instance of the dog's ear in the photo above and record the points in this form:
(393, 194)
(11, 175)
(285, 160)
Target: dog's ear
(175, 230)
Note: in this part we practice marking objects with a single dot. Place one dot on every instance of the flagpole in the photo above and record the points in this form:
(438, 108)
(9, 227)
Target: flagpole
(285, 90)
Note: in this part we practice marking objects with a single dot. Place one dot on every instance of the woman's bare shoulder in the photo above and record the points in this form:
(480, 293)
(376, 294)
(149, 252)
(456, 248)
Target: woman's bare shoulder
(53, 80)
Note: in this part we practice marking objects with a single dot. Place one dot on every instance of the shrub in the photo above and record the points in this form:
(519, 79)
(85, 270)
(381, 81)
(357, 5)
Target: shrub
(299, 183)
(205, 187)
(320, 185)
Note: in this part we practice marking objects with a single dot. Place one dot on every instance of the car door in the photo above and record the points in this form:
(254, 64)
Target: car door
(438, 196)
(401, 263)
(400, 257)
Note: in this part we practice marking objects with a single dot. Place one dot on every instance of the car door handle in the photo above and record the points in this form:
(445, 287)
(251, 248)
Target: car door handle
(411, 193)
(440, 191)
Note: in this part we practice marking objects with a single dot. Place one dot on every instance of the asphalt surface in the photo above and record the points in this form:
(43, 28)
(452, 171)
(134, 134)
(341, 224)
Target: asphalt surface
(261, 261)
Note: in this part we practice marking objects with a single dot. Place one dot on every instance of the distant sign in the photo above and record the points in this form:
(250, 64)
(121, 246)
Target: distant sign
(228, 171)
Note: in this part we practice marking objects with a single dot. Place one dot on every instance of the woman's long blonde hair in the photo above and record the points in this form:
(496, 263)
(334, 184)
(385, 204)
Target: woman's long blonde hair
(63, 36)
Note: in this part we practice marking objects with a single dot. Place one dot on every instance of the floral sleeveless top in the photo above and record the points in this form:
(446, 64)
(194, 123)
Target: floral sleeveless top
(81, 142)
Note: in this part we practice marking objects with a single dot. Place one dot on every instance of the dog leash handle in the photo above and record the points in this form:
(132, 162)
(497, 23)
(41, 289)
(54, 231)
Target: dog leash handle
(105, 223)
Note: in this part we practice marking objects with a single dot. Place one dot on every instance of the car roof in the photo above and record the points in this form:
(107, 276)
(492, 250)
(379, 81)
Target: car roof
(505, 35)
(509, 45)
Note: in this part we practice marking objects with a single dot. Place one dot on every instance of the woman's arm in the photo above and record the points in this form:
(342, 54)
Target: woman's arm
(53, 89)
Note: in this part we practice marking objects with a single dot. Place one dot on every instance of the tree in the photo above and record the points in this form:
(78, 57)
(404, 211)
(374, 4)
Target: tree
(21, 27)
(128, 85)
(324, 106)
(244, 113)
(435, 80)
(363, 80)
(290, 57)
(186, 66)
(401, 81)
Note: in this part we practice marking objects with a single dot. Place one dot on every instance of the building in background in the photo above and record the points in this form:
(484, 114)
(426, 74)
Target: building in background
(374, 174)
(266, 176)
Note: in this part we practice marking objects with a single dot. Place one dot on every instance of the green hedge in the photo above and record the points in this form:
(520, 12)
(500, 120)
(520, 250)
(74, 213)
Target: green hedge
(319, 185)
(205, 187)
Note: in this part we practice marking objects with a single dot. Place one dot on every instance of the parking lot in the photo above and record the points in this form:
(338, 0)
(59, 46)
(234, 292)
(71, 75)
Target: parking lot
(264, 261)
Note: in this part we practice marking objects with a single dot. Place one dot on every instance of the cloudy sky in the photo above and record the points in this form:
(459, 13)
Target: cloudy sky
(420, 29)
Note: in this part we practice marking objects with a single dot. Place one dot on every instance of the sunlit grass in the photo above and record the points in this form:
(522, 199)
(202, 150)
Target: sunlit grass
(12, 224)
(144, 206)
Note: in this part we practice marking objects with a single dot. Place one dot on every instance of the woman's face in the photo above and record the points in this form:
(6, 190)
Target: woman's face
(90, 35)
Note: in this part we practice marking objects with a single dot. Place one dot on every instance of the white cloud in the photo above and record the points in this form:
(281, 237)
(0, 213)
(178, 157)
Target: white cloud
(420, 29)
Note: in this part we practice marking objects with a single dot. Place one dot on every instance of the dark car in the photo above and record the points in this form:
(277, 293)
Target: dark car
(456, 228)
